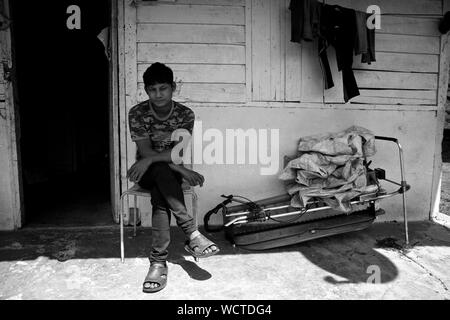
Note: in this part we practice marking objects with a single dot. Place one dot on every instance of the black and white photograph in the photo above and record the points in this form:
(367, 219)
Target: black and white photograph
(224, 155)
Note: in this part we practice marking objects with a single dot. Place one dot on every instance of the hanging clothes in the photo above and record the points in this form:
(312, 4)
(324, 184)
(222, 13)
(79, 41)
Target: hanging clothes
(305, 20)
(365, 38)
(338, 28)
(343, 28)
(361, 33)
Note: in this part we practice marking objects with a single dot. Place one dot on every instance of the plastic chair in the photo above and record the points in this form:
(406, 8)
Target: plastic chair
(136, 191)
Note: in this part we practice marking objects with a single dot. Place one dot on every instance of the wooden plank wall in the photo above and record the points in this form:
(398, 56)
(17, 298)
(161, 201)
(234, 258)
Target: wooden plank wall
(407, 53)
(237, 51)
(202, 41)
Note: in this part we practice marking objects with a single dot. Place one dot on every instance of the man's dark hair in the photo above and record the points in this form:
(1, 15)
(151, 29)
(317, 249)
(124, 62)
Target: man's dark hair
(158, 73)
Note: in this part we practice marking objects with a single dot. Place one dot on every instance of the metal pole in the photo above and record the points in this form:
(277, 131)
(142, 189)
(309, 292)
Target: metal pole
(402, 170)
(122, 251)
(135, 214)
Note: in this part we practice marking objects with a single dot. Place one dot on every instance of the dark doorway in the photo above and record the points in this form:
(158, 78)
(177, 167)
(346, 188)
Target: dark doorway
(62, 99)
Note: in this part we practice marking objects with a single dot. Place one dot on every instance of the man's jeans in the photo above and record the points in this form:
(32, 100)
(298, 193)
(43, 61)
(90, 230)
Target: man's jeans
(166, 197)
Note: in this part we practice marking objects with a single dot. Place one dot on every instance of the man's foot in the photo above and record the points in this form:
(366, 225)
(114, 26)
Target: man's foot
(156, 278)
(199, 246)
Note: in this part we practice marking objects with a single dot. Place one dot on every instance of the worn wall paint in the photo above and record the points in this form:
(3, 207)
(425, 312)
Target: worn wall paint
(412, 128)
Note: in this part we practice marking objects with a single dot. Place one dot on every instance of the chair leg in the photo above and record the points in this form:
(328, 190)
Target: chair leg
(135, 214)
(122, 248)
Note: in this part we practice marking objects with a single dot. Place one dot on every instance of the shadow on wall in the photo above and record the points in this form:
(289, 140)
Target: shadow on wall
(345, 256)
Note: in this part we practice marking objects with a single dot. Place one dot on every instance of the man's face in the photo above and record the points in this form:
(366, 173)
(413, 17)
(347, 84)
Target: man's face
(160, 94)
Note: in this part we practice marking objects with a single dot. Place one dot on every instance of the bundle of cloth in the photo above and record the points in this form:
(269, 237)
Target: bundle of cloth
(330, 167)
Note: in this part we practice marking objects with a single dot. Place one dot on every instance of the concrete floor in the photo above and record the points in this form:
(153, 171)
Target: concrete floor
(85, 264)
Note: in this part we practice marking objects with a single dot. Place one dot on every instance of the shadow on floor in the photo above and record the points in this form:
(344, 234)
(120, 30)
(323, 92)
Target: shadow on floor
(346, 256)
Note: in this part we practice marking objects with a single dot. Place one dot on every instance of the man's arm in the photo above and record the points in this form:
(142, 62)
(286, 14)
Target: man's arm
(146, 151)
(150, 156)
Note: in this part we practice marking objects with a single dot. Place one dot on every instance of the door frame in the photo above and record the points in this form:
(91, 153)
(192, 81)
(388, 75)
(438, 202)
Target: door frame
(12, 120)
(13, 123)
(114, 110)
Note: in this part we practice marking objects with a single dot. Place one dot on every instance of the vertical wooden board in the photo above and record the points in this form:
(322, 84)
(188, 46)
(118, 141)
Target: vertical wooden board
(268, 50)
(261, 50)
(114, 113)
(121, 81)
(293, 64)
(248, 50)
(130, 76)
(276, 52)
(127, 61)
(5, 176)
(312, 80)
(11, 213)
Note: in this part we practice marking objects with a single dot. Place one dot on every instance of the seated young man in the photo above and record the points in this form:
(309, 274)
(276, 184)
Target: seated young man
(151, 125)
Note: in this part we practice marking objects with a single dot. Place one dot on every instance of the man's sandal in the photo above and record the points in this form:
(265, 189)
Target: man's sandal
(157, 273)
(201, 243)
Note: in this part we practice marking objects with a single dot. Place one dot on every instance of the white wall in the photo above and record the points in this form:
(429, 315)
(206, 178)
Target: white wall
(412, 128)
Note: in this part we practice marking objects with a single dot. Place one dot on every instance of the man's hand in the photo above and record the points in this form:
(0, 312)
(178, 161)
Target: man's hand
(194, 178)
(138, 169)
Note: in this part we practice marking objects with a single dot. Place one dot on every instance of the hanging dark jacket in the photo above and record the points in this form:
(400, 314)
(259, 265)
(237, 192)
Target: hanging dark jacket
(305, 20)
(338, 28)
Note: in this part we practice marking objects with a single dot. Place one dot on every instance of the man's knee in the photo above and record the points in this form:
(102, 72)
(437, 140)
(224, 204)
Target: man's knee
(159, 167)
(153, 172)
